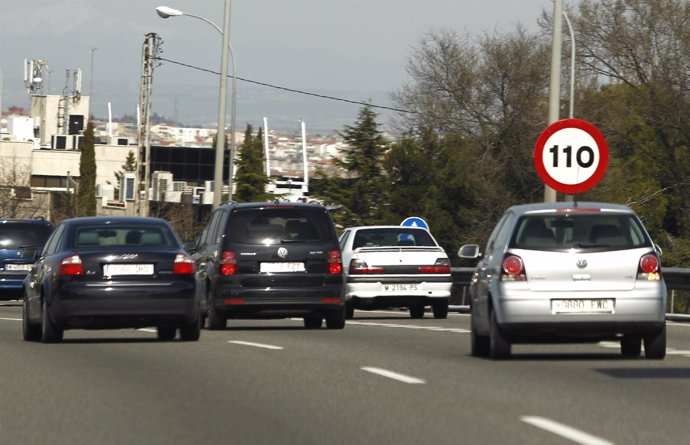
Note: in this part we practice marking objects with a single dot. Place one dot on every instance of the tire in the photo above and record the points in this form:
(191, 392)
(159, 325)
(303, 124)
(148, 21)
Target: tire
(440, 310)
(499, 347)
(216, 321)
(50, 331)
(480, 344)
(166, 333)
(30, 331)
(655, 344)
(349, 311)
(191, 331)
(336, 320)
(417, 311)
(313, 321)
(631, 345)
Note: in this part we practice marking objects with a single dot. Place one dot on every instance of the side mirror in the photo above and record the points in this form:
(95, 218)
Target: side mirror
(469, 251)
(189, 246)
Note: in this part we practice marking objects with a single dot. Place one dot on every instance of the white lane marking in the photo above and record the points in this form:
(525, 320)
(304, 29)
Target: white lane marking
(11, 319)
(393, 375)
(566, 431)
(407, 326)
(256, 345)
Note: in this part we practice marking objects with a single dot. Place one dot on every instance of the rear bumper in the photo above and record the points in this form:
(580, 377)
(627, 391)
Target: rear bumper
(242, 302)
(11, 286)
(369, 288)
(102, 306)
(529, 315)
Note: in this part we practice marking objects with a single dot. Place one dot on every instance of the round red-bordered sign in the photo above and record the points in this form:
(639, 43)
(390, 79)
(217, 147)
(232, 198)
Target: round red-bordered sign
(571, 156)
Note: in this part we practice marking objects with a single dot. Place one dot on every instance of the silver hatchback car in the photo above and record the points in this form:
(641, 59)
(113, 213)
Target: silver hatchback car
(568, 272)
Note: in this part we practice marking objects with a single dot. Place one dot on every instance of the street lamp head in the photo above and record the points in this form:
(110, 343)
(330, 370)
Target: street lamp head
(165, 12)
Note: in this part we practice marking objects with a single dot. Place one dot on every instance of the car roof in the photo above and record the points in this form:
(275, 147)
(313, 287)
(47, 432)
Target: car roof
(384, 227)
(546, 207)
(39, 221)
(252, 205)
(115, 220)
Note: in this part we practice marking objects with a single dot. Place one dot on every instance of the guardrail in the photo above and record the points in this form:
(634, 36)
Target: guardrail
(676, 278)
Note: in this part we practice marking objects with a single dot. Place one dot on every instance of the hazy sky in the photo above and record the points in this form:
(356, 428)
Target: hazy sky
(354, 49)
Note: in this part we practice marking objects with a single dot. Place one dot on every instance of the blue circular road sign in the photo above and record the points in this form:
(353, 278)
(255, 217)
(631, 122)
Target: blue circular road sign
(415, 221)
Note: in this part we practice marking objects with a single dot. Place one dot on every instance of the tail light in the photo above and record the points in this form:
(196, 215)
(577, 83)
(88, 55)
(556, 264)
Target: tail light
(183, 265)
(360, 267)
(228, 263)
(72, 266)
(649, 268)
(513, 269)
(335, 262)
(442, 265)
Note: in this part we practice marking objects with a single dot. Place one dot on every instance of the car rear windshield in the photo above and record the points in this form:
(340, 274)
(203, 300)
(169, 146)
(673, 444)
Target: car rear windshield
(392, 236)
(280, 225)
(124, 236)
(20, 235)
(579, 230)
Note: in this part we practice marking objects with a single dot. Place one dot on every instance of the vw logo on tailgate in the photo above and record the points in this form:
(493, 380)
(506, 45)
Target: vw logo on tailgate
(581, 264)
(282, 252)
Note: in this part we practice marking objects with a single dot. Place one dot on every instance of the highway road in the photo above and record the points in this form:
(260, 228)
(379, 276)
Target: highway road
(384, 379)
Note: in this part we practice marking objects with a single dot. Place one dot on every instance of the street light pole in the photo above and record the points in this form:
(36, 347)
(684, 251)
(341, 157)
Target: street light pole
(555, 83)
(165, 12)
(571, 111)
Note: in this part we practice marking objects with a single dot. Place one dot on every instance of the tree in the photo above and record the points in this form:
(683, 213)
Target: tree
(361, 191)
(86, 194)
(251, 176)
(17, 200)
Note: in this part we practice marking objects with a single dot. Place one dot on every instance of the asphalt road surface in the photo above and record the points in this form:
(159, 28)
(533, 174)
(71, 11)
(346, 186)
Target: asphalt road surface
(384, 379)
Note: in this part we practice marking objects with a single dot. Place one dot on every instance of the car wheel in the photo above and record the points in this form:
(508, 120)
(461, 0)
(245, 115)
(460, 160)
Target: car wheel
(440, 310)
(655, 344)
(50, 331)
(215, 320)
(166, 333)
(335, 320)
(499, 347)
(191, 331)
(31, 331)
(349, 311)
(313, 321)
(417, 311)
(480, 343)
(631, 345)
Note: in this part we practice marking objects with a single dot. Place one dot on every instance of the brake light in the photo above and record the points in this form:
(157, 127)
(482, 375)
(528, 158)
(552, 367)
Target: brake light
(649, 268)
(183, 265)
(442, 265)
(335, 262)
(513, 269)
(228, 263)
(72, 266)
(360, 267)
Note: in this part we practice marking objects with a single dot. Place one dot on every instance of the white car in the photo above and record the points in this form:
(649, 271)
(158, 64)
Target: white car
(395, 266)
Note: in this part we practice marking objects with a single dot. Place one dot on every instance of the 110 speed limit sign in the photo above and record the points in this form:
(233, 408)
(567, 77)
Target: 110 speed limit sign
(571, 156)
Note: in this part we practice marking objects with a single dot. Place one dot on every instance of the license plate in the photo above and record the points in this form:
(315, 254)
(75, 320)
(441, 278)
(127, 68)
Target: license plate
(583, 306)
(22, 267)
(400, 287)
(281, 267)
(112, 270)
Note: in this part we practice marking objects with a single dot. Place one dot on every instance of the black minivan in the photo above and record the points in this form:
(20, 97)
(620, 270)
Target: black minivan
(271, 260)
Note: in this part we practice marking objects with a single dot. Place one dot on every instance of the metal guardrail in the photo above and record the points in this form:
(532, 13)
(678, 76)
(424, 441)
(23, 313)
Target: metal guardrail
(676, 278)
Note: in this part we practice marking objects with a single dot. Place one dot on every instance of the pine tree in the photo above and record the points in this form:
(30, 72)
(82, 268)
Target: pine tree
(86, 195)
(251, 178)
(362, 194)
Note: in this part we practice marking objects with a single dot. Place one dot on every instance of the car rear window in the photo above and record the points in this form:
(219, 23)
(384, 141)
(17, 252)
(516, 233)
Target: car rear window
(271, 225)
(124, 236)
(584, 230)
(20, 235)
(392, 236)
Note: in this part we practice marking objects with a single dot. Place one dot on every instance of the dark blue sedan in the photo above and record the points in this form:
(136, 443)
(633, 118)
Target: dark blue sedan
(112, 273)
